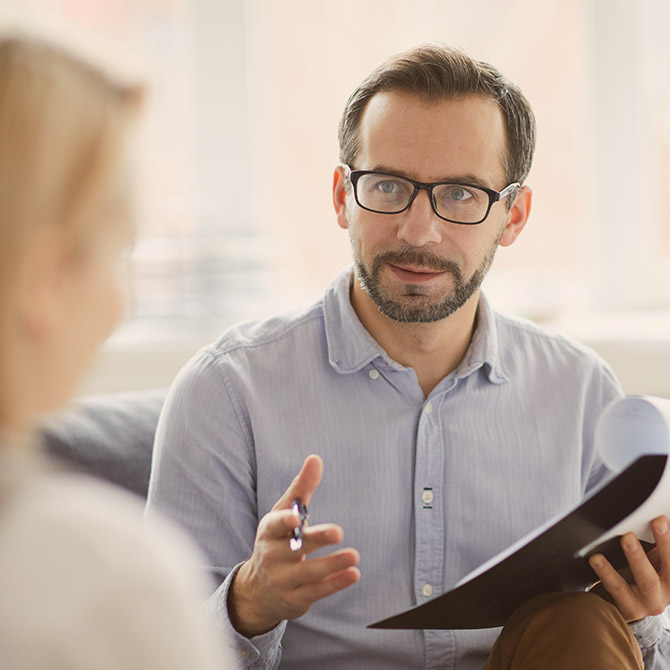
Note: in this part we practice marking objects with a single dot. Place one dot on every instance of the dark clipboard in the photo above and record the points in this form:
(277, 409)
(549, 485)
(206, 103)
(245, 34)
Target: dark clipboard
(549, 560)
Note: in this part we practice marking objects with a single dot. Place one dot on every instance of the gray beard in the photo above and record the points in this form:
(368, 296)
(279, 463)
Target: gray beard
(414, 309)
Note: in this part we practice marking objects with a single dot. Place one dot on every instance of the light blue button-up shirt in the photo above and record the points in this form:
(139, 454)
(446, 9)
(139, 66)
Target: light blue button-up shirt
(426, 489)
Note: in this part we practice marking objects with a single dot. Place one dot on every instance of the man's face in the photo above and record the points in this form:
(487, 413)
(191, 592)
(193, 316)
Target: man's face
(415, 266)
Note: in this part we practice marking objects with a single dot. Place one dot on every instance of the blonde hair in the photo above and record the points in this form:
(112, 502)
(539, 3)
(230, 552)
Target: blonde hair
(63, 116)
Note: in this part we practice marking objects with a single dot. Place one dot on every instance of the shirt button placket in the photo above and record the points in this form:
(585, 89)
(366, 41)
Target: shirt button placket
(429, 521)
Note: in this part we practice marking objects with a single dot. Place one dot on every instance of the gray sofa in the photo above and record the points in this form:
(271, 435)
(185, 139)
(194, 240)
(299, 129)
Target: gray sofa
(107, 436)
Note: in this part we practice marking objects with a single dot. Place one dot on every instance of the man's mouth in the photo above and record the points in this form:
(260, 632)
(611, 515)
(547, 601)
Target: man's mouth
(416, 274)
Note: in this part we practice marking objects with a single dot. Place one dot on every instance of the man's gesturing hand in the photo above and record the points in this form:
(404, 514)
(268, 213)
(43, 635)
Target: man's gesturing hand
(277, 583)
(643, 588)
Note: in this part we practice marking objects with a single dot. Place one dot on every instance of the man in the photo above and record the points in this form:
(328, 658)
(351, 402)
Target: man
(446, 431)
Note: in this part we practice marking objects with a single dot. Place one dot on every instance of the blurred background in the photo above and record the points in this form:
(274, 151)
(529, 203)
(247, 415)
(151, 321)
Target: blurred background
(239, 142)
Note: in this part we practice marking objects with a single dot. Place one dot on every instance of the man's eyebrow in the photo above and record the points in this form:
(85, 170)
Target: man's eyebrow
(471, 179)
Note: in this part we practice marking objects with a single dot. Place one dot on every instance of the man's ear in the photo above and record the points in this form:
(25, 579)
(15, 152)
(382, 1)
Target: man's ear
(340, 196)
(517, 216)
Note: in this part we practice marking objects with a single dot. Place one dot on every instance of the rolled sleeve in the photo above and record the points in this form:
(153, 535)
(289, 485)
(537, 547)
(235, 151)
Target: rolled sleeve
(647, 631)
(262, 651)
(653, 635)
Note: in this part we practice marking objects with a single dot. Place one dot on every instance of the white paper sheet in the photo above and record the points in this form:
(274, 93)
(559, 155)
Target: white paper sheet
(629, 428)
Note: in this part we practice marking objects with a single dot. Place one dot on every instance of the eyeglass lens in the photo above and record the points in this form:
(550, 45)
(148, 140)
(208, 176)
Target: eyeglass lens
(389, 194)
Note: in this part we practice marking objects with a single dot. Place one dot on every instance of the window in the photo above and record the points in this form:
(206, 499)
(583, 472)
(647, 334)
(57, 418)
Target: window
(245, 94)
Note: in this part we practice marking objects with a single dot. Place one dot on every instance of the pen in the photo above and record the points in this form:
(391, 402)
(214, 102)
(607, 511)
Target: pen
(296, 534)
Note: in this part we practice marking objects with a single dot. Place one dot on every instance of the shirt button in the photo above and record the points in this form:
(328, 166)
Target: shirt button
(374, 374)
(243, 653)
(427, 497)
(427, 590)
(429, 408)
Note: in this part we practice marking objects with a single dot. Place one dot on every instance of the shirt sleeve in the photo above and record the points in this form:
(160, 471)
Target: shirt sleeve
(653, 636)
(204, 477)
(262, 651)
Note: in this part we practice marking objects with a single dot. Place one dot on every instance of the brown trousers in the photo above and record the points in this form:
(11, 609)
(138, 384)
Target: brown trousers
(566, 631)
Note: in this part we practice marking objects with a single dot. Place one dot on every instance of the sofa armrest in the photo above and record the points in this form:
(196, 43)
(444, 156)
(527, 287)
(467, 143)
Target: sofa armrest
(107, 436)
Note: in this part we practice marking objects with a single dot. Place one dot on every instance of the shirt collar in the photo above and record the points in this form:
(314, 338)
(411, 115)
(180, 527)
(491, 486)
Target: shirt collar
(484, 349)
(351, 347)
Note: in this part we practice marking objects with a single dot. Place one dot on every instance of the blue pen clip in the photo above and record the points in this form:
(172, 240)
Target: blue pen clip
(296, 534)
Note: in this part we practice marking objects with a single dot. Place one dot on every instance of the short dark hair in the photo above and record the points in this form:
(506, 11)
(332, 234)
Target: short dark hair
(435, 72)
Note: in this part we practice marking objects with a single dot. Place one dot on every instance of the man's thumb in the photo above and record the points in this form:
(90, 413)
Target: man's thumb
(303, 486)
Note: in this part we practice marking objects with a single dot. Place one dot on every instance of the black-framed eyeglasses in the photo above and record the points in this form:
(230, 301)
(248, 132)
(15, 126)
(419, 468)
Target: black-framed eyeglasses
(386, 193)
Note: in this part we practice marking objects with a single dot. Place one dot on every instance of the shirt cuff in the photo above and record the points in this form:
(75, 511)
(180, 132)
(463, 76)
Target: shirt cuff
(262, 651)
(647, 631)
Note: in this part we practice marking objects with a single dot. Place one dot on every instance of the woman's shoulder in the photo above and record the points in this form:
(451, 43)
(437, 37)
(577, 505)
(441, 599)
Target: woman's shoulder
(84, 520)
(81, 573)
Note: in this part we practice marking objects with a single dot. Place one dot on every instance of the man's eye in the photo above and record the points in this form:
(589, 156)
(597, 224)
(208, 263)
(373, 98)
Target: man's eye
(459, 193)
(387, 186)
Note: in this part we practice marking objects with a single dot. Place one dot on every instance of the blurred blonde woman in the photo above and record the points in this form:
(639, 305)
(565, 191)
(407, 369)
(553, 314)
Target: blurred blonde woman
(83, 584)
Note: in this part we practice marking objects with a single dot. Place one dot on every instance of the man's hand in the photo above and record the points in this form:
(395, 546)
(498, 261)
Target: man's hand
(277, 583)
(648, 591)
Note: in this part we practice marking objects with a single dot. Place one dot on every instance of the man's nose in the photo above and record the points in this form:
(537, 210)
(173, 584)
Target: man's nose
(419, 225)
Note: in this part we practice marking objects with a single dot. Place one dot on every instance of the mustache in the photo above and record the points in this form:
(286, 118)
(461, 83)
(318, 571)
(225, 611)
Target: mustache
(422, 259)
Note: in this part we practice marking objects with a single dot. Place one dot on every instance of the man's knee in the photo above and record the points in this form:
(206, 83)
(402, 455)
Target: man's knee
(573, 616)
(580, 609)
(566, 630)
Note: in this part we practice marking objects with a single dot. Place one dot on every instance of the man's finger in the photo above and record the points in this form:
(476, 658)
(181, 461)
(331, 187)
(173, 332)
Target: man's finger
(303, 486)
(326, 587)
(660, 555)
(316, 537)
(277, 524)
(617, 587)
(314, 570)
(322, 535)
(298, 601)
(647, 581)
